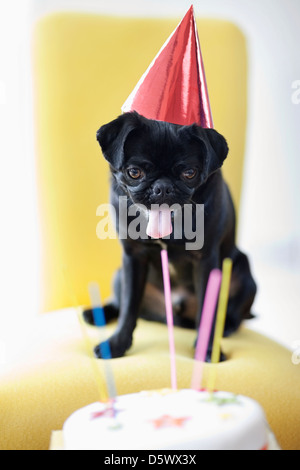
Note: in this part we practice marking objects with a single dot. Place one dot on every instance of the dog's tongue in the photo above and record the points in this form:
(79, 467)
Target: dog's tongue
(159, 223)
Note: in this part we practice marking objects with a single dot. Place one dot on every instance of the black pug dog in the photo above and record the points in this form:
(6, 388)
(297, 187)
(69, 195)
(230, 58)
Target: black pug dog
(155, 162)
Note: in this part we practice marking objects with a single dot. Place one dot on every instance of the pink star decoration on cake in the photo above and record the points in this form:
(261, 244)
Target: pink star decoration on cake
(169, 421)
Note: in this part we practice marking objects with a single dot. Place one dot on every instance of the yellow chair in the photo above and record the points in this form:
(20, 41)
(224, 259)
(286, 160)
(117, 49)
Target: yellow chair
(85, 66)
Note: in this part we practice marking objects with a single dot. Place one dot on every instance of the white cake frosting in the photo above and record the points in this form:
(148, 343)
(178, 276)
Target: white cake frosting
(168, 420)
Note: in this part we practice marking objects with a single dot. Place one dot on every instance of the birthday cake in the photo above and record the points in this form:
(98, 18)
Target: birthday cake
(169, 420)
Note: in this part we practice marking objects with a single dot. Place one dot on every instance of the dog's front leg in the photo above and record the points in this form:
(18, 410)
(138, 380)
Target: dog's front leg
(202, 269)
(134, 274)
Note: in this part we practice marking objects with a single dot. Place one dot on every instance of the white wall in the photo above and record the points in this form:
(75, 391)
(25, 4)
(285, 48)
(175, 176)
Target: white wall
(270, 225)
(19, 278)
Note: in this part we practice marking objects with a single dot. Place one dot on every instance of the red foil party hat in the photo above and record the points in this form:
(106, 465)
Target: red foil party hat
(173, 88)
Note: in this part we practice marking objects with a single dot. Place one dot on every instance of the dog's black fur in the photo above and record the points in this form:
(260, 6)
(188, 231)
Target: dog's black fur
(162, 156)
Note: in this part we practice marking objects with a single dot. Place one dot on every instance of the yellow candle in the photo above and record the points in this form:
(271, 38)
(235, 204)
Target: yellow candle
(220, 320)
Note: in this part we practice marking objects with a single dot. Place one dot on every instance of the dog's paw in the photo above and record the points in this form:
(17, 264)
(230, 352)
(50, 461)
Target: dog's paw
(209, 353)
(112, 348)
(88, 316)
(111, 312)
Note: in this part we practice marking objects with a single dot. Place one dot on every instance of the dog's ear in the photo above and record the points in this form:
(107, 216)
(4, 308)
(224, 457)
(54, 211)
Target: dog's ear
(219, 147)
(112, 137)
(216, 149)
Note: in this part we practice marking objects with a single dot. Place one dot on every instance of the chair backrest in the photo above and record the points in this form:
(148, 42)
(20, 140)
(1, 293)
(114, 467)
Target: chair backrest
(85, 66)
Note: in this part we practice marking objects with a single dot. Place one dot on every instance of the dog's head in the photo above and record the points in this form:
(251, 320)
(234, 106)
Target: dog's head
(157, 162)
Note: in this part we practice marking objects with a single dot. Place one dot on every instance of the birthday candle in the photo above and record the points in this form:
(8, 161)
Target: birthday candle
(169, 315)
(88, 345)
(104, 397)
(99, 320)
(220, 320)
(207, 317)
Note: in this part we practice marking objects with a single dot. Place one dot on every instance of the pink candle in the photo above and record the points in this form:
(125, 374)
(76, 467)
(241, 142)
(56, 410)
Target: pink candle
(207, 317)
(169, 315)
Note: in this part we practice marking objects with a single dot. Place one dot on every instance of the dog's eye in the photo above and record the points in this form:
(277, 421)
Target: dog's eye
(135, 173)
(189, 174)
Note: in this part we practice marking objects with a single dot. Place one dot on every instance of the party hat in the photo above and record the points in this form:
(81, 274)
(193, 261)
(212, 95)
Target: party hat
(173, 88)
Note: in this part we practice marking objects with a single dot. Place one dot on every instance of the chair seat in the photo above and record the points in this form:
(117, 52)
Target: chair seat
(54, 375)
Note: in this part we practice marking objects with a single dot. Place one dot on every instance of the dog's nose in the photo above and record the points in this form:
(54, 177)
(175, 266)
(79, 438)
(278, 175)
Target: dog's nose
(162, 187)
